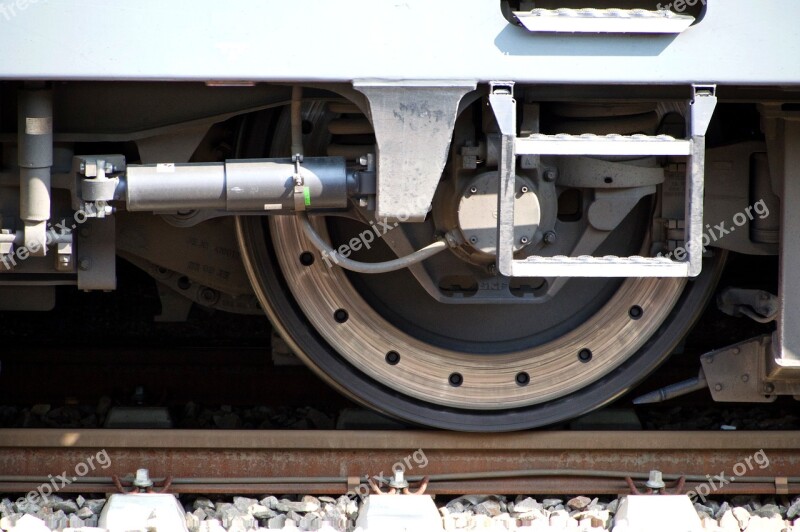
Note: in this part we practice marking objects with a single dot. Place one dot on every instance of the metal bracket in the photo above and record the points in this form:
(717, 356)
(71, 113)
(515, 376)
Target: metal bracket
(95, 186)
(701, 108)
(301, 194)
(413, 125)
(501, 99)
(739, 373)
(758, 305)
(97, 257)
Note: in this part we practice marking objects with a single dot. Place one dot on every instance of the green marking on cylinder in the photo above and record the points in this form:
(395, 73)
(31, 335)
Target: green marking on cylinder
(307, 196)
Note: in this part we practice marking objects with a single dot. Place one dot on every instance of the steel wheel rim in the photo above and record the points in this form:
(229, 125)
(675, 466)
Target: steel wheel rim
(555, 369)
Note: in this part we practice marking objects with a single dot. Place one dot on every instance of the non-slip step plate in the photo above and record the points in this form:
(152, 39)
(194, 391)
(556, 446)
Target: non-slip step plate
(609, 266)
(590, 20)
(589, 144)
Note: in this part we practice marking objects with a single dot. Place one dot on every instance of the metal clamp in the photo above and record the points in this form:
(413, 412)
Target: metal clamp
(655, 485)
(301, 193)
(398, 484)
(96, 186)
(142, 483)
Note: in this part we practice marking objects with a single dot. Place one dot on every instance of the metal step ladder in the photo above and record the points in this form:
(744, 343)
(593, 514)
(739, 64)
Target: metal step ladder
(701, 108)
(591, 20)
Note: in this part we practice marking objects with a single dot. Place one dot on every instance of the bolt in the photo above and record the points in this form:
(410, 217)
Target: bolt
(398, 482)
(524, 190)
(550, 175)
(208, 295)
(473, 240)
(745, 377)
(109, 168)
(709, 359)
(473, 190)
(84, 264)
(656, 480)
(769, 387)
(142, 479)
(550, 237)
(763, 296)
(736, 350)
(363, 160)
(523, 240)
(718, 387)
(363, 202)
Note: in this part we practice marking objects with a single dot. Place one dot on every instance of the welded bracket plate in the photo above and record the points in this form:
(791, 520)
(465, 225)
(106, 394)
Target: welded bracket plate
(413, 124)
(739, 373)
(97, 266)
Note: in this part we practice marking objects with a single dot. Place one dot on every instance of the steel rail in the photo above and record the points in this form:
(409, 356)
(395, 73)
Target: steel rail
(334, 462)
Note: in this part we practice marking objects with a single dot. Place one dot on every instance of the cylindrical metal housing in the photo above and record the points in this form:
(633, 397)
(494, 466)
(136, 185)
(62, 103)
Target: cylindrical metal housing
(268, 184)
(35, 157)
(175, 187)
(35, 128)
(264, 185)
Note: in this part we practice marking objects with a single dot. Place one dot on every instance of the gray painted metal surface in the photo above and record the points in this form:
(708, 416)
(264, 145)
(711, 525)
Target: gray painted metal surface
(260, 185)
(737, 42)
(413, 127)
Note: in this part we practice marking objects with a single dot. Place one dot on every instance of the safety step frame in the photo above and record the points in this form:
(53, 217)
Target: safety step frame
(701, 108)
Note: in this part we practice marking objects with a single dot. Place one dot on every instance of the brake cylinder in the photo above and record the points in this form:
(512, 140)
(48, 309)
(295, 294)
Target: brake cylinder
(266, 185)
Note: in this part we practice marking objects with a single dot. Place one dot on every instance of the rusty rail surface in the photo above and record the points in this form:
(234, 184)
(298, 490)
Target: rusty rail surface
(332, 462)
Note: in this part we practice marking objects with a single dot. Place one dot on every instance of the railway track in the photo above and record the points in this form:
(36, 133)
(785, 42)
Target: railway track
(334, 462)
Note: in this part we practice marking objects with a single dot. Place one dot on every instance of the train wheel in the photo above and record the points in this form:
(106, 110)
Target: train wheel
(385, 342)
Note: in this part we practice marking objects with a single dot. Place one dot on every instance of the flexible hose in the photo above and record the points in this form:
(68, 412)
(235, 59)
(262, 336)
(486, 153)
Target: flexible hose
(368, 267)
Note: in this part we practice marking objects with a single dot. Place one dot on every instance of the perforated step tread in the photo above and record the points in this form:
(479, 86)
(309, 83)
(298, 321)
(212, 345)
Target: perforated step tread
(612, 20)
(608, 266)
(590, 144)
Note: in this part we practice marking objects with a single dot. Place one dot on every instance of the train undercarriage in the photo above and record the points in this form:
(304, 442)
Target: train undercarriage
(482, 255)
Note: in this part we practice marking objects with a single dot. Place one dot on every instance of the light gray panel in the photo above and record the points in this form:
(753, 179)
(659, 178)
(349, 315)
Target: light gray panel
(738, 42)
